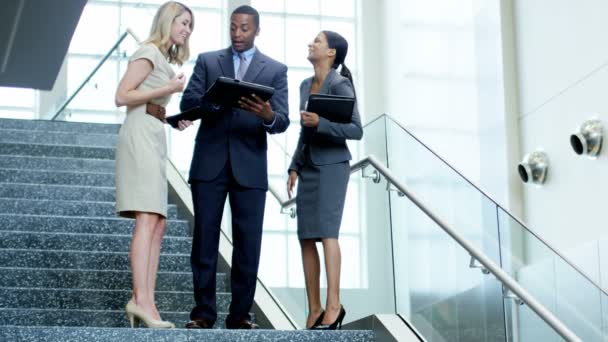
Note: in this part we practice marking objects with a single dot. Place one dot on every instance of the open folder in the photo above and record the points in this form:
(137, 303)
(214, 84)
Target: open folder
(227, 92)
(334, 108)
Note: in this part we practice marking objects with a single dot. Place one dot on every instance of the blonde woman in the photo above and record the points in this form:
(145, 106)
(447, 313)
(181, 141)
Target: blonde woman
(141, 152)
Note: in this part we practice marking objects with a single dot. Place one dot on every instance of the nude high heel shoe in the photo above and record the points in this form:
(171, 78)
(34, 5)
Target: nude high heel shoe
(136, 315)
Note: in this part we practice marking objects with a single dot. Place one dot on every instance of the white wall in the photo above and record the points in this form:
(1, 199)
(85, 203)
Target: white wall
(561, 47)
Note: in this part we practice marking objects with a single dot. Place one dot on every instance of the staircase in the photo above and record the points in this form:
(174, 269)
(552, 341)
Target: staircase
(64, 268)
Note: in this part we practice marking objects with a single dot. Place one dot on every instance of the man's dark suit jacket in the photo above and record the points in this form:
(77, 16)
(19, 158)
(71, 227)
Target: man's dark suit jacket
(234, 133)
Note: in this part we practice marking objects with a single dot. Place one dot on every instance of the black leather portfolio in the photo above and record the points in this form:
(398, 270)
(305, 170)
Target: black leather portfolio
(191, 114)
(334, 108)
(227, 91)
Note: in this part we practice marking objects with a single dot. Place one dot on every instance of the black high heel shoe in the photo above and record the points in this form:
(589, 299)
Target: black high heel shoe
(335, 325)
(318, 321)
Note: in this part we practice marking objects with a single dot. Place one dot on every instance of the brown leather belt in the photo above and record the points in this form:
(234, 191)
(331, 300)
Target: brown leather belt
(156, 111)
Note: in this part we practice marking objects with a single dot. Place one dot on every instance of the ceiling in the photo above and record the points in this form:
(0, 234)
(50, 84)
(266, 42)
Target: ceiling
(34, 39)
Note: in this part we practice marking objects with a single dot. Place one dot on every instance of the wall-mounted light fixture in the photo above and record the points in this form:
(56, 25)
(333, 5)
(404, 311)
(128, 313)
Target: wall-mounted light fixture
(588, 138)
(533, 167)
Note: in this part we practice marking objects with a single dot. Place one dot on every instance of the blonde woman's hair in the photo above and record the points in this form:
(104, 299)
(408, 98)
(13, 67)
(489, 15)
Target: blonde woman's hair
(160, 33)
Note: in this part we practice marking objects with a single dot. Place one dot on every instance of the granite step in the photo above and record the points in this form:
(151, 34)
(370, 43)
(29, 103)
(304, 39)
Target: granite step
(64, 334)
(92, 179)
(84, 242)
(96, 279)
(57, 192)
(56, 163)
(65, 151)
(48, 298)
(73, 224)
(85, 260)
(57, 138)
(89, 318)
(65, 208)
(59, 126)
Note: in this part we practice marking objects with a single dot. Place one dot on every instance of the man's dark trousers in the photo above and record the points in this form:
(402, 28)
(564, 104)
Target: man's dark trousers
(247, 206)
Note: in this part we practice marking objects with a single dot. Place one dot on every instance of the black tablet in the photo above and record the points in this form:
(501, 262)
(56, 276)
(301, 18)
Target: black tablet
(227, 91)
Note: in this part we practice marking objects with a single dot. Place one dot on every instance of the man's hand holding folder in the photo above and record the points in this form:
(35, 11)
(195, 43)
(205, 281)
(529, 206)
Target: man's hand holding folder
(234, 94)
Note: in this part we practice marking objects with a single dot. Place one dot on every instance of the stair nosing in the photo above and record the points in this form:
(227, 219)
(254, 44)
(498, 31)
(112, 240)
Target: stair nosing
(44, 269)
(58, 145)
(57, 171)
(11, 288)
(70, 201)
(82, 252)
(97, 218)
(31, 232)
(59, 185)
(53, 157)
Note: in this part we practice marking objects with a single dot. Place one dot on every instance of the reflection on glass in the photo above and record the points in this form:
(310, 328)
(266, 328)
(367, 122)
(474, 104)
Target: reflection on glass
(568, 293)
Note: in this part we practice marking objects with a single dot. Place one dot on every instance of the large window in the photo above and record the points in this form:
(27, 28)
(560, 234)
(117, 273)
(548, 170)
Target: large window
(17, 103)
(100, 26)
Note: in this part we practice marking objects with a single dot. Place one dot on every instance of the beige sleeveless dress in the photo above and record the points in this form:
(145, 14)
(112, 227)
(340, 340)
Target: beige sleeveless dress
(141, 151)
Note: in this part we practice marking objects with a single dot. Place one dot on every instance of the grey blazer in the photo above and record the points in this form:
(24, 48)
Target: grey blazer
(332, 148)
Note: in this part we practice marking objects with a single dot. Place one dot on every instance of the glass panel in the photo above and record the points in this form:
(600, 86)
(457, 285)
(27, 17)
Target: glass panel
(271, 40)
(17, 97)
(300, 32)
(95, 17)
(98, 93)
(207, 34)
(338, 8)
(302, 7)
(268, 6)
(452, 197)
(525, 325)
(16, 114)
(436, 290)
(567, 292)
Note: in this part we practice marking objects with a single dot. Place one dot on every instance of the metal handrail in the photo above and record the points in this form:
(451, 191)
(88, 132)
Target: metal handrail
(516, 219)
(502, 276)
(86, 80)
(285, 204)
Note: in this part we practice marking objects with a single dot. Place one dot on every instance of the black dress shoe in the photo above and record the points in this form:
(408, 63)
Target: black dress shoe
(335, 325)
(199, 324)
(318, 321)
(242, 324)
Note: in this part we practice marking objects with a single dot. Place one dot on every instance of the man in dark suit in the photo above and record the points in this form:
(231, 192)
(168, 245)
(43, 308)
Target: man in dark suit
(230, 160)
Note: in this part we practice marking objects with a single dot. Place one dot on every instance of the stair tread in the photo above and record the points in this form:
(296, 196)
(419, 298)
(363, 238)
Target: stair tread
(180, 335)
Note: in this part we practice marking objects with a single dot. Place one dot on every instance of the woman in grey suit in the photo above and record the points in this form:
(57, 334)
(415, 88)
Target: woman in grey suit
(321, 162)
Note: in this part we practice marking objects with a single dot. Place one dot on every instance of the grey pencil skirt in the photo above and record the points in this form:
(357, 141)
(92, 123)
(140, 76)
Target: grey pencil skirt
(320, 200)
